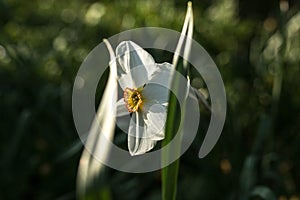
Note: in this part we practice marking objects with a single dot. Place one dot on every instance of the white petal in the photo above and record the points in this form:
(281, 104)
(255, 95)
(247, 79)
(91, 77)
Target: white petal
(122, 122)
(162, 74)
(136, 78)
(145, 145)
(156, 120)
(157, 89)
(137, 144)
(121, 108)
(125, 81)
(130, 55)
(134, 132)
(137, 126)
(154, 94)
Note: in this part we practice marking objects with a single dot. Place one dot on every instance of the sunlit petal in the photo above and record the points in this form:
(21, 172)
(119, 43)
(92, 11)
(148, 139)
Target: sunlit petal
(130, 55)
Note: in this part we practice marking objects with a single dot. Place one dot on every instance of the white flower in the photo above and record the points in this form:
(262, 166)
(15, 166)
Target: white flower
(145, 85)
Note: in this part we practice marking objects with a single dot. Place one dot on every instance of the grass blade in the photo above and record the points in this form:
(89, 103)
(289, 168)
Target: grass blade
(101, 130)
(170, 173)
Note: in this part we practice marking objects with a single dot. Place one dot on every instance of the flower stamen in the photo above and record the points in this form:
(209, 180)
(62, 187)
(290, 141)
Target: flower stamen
(133, 99)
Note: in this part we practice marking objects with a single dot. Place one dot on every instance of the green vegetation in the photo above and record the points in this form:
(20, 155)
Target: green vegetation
(255, 44)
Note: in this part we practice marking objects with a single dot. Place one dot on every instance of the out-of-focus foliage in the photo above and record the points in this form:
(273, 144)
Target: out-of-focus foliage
(256, 45)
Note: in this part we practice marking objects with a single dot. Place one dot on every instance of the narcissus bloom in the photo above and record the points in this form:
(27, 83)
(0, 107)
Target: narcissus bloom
(145, 85)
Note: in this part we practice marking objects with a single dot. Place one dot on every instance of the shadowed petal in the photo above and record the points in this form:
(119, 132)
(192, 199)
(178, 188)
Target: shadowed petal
(156, 119)
(154, 94)
(137, 143)
(157, 89)
(162, 74)
(121, 108)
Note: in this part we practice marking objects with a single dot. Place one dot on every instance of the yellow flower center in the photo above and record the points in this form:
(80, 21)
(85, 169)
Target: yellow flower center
(133, 99)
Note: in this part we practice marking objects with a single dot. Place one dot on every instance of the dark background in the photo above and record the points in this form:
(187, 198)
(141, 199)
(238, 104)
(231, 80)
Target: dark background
(255, 44)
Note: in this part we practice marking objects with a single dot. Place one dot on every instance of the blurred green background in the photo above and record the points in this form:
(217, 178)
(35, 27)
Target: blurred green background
(255, 44)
